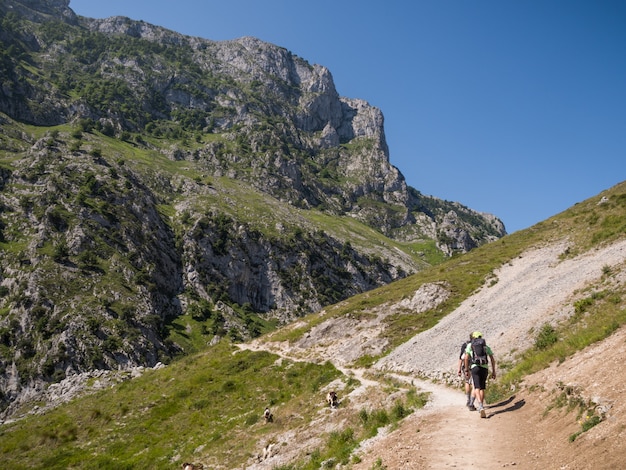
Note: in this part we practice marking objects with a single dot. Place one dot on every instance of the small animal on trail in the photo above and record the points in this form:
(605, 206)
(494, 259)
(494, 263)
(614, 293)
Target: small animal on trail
(331, 399)
(269, 451)
(192, 466)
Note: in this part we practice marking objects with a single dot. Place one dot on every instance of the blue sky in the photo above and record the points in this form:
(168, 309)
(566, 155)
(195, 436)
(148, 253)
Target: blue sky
(516, 108)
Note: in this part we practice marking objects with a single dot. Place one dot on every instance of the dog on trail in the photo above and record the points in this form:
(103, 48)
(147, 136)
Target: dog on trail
(331, 399)
(192, 466)
(269, 451)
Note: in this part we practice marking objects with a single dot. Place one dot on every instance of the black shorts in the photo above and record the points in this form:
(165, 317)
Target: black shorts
(479, 376)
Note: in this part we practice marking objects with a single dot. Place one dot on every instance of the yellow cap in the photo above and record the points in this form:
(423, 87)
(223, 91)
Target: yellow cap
(477, 334)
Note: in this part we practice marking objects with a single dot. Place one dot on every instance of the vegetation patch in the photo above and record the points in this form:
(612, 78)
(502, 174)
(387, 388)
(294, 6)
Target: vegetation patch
(339, 445)
(148, 422)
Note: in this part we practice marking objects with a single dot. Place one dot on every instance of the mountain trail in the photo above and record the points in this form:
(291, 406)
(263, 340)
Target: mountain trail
(539, 427)
(529, 430)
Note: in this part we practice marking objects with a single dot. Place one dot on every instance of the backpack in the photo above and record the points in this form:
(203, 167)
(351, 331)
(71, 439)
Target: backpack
(463, 348)
(479, 351)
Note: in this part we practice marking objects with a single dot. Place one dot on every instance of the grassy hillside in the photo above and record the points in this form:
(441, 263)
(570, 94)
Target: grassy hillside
(208, 407)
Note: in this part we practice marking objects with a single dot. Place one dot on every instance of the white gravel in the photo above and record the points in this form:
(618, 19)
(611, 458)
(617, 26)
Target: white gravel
(531, 290)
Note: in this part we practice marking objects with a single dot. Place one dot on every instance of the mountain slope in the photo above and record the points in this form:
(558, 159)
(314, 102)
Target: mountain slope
(159, 192)
(533, 417)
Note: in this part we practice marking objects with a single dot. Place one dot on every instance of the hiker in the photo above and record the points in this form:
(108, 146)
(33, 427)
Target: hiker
(268, 416)
(469, 386)
(476, 363)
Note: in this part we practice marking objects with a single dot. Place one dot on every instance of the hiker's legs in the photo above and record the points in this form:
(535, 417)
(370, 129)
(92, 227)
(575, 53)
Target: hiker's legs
(469, 391)
(479, 375)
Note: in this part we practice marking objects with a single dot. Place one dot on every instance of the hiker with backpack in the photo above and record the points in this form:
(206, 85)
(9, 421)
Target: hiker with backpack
(469, 388)
(477, 364)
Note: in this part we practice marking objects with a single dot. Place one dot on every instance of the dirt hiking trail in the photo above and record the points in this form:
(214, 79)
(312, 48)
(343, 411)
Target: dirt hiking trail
(528, 430)
(445, 434)
(525, 431)
(538, 427)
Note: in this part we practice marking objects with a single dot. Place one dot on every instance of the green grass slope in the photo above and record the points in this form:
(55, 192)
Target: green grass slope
(207, 407)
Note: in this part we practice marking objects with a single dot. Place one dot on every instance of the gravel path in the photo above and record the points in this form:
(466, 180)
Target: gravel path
(531, 290)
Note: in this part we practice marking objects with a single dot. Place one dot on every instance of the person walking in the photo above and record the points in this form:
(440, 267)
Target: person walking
(469, 387)
(476, 365)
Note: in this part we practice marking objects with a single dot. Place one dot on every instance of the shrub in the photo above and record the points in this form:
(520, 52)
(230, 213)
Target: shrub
(399, 411)
(580, 306)
(87, 260)
(341, 444)
(546, 338)
(61, 251)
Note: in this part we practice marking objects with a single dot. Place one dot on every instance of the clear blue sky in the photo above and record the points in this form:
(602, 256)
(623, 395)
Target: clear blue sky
(516, 108)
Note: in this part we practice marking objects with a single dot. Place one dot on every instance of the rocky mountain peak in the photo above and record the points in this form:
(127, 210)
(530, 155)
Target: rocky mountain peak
(41, 10)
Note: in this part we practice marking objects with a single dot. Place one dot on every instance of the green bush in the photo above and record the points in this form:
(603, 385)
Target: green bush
(547, 337)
